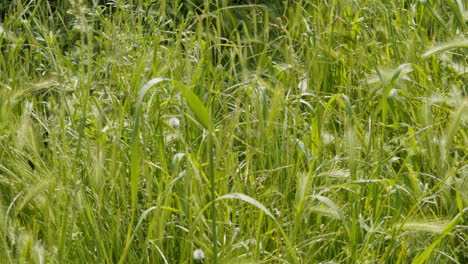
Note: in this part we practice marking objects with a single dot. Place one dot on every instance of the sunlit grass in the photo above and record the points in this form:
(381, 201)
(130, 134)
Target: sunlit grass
(260, 131)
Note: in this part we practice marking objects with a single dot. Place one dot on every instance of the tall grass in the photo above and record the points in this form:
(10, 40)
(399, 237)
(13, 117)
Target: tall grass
(250, 131)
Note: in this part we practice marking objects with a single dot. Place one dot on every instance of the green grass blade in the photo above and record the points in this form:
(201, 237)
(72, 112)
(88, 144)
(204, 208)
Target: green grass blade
(456, 44)
(260, 206)
(135, 153)
(197, 106)
(421, 258)
(434, 14)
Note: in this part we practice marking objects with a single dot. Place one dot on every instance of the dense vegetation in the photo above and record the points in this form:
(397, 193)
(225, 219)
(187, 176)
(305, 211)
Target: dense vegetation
(301, 131)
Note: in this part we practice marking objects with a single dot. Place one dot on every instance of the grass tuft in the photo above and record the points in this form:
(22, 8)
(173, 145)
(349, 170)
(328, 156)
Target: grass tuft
(233, 131)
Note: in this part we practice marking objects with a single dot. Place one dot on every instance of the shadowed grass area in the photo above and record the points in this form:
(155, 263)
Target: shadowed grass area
(292, 131)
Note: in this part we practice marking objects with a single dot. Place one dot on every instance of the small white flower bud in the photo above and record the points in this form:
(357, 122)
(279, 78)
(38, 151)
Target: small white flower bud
(174, 122)
(198, 254)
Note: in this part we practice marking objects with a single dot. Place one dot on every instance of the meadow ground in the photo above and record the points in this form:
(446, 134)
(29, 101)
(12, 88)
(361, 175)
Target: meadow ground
(300, 131)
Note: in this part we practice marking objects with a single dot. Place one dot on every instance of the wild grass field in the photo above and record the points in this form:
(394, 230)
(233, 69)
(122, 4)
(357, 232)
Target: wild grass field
(288, 131)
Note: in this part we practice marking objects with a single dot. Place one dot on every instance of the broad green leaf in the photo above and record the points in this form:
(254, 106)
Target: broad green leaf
(197, 106)
(201, 112)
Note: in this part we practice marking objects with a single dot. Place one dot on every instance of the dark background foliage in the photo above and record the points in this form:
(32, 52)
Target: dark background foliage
(174, 7)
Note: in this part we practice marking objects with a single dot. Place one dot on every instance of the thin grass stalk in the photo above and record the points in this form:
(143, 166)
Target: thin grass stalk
(211, 176)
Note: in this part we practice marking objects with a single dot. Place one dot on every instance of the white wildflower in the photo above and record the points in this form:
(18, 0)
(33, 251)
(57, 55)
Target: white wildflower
(198, 254)
(174, 122)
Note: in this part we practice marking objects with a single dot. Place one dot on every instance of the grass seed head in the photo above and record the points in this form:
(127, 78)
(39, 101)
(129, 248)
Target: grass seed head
(198, 254)
(174, 122)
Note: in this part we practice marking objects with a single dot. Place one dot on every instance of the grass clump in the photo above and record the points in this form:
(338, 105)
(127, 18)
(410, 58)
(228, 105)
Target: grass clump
(233, 131)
